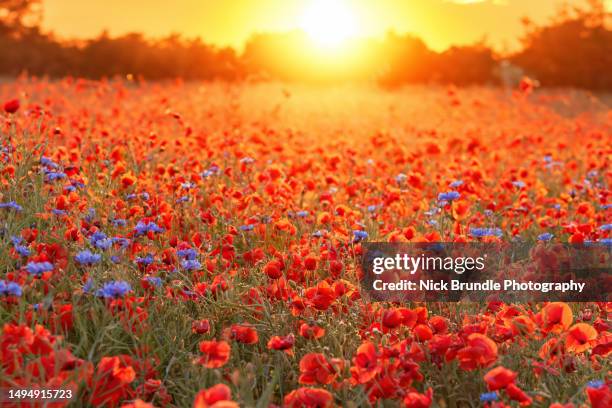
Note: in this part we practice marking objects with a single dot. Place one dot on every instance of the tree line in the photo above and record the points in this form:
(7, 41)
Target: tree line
(574, 49)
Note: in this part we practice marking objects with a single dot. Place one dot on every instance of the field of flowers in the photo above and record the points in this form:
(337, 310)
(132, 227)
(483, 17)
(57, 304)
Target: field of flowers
(185, 244)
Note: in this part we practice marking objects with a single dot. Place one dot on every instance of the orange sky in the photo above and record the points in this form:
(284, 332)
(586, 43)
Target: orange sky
(230, 22)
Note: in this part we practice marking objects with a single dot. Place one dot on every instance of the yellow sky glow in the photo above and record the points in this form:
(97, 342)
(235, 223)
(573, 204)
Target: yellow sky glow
(440, 23)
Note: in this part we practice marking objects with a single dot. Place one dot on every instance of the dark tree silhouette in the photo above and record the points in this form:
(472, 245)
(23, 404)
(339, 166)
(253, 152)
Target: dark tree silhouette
(574, 49)
(17, 15)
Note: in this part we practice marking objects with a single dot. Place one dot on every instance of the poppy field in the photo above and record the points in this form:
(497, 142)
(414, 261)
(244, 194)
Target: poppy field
(197, 244)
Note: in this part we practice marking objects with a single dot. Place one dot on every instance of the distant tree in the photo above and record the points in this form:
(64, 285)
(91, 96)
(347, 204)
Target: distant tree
(466, 65)
(404, 58)
(17, 15)
(575, 49)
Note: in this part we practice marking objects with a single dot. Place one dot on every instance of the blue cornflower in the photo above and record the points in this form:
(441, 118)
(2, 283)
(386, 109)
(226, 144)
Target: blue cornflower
(211, 171)
(38, 268)
(547, 236)
(105, 243)
(400, 178)
(595, 384)
(188, 185)
(119, 222)
(191, 264)
(432, 212)
(145, 196)
(519, 184)
(97, 236)
(87, 258)
(485, 232)
(99, 240)
(45, 161)
(359, 235)
(154, 280)
(606, 241)
(182, 199)
(130, 196)
(12, 205)
(372, 208)
(8, 288)
(188, 292)
(22, 250)
(247, 160)
(91, 214)
(58, 212)
(247, 227)
(114, 289)
(456, 183)
(189, 253)
(123, 242)
(142, 228)
(88, 286)
(317, 234)
(488, 397)
(146, 260)
(55, 175)
(606, 227)
(302, 214)
(78, 184)
(448, 196)
(115, 259)
(69, 189)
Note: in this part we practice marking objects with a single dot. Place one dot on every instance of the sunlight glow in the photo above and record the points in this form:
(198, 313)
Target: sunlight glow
(329, 22)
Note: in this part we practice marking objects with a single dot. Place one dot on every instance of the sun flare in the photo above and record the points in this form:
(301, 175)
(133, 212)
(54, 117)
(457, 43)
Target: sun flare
(329, 22)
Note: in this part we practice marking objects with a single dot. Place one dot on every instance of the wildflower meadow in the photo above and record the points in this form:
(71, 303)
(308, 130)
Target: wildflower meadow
(186, 244)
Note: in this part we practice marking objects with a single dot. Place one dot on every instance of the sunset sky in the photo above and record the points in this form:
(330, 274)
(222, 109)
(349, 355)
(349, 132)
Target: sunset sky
(230, 22)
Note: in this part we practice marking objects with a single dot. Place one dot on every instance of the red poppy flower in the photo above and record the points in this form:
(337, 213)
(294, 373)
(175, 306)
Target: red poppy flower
(499, 377)
(391, 318)
(243, 333)
(311, 331)
(321, 296)
(422, 332)
(315, 368)
(479, 352)
(111, 381)
(516, 394)
(417, 400)
(556, 317)
(217, 396)
(308, 398)
(11, 106)
(216, 353)
(365, 363)
(580, 337)
(200, 326)
(600, 397)
(284, 343)
(273, 269)
(138, 404)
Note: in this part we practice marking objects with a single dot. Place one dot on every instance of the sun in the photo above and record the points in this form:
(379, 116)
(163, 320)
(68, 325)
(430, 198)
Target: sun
(328, 22)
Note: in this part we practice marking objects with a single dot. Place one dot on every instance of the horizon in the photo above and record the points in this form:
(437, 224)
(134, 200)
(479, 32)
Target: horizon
(441, 24)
